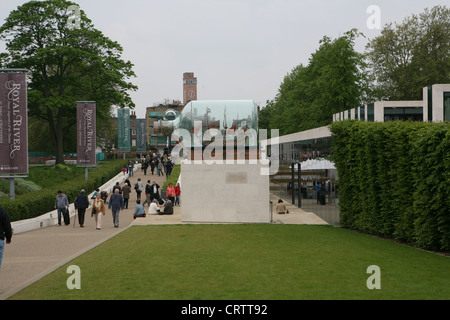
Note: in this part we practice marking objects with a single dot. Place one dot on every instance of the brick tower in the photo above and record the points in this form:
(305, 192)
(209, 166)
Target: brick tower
(189, 87)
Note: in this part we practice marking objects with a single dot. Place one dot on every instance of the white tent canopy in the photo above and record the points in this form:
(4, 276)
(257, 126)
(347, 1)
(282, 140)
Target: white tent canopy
(317, 164)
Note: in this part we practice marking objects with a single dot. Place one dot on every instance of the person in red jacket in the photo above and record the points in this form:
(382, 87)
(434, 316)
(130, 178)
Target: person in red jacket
(177, 194)
(170, 192)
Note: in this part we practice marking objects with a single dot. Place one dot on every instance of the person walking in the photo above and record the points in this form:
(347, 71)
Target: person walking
(61, 204)
(147, 194)
(117, 186)
(126, 190)
(170, 192)
(177, 194)
(138, 187)
(144, 167)
(131, 168)
(5, 232)
(154, 193)
(152, 166)
(98, 209)
(115, 204)
(159, 168)
(81, 203)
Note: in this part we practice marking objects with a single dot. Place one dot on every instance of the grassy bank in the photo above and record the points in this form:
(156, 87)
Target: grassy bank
(69, 179)
(269, 262)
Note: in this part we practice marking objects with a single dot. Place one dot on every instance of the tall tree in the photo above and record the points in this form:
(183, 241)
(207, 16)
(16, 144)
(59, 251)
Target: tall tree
(333, 81)
(67, 62)
(411, 55)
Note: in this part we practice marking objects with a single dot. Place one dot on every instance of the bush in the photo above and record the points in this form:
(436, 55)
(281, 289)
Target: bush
(173, 178)
(394, 180)
(34, 204)
(27, 185)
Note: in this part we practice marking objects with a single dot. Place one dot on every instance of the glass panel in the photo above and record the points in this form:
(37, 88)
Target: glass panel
(319, 192)
(430, 103)
(371, 112)
(446, 106)
(362, 115)
(403, 114)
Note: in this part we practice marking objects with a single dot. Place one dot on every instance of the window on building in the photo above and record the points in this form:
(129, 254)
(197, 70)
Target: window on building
(371, 112)
(446, 106)
(430, 103)
(362, 115)
(403, 114)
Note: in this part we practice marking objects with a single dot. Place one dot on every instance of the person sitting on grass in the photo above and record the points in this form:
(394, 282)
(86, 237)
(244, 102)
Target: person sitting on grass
(139, 212)
(281, 208)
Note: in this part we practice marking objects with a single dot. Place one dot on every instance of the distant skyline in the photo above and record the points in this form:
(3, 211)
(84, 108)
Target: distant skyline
(237, 49)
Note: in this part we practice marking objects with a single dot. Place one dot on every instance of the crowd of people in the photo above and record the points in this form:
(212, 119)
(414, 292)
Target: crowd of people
(120, 195)
(117, 201)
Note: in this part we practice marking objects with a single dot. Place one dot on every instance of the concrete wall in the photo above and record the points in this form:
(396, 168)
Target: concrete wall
(437, 100)
(221, 193)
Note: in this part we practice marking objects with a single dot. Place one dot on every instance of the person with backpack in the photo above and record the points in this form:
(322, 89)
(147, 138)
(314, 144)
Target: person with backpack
(138, 187)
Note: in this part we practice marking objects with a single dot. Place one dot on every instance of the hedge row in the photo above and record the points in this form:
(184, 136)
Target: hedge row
(394, 180)
(34, 204)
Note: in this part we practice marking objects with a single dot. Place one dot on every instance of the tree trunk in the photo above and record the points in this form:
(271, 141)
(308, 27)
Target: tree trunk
(59, 139)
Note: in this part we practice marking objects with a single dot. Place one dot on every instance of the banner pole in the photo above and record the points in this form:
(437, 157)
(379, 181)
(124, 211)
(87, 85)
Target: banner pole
(12, 189)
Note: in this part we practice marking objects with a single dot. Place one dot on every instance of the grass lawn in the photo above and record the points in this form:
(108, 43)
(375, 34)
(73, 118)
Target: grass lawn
(252, 261)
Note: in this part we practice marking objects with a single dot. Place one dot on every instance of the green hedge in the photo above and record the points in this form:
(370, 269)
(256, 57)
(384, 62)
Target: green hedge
(34, 204)
(173, 178)
(394, 180)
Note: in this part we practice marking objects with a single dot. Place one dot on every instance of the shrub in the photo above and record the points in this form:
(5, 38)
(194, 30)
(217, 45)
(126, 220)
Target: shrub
(394, 180)
(34, 204)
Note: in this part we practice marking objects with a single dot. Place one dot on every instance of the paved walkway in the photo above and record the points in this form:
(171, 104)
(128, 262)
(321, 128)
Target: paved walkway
(34, 254)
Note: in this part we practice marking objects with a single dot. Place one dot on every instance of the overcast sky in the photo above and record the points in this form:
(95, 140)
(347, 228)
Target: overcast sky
(238, 49)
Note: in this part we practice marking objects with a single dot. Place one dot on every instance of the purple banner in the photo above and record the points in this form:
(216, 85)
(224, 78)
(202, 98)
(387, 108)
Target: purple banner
(86, 135)
(13, 123)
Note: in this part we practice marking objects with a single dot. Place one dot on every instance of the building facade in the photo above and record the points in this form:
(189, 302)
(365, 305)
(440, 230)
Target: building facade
(435, 107)
(158, 143)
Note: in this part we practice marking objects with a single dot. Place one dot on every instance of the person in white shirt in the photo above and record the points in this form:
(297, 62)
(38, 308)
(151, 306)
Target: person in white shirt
(154, 208)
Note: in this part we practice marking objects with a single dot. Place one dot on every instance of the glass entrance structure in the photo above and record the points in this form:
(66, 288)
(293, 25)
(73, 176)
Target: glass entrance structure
(318, 187)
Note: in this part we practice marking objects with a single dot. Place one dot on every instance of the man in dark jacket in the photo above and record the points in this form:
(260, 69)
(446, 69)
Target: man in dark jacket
(81, 204)
(116, 204)
(5, 232)
(154, 191)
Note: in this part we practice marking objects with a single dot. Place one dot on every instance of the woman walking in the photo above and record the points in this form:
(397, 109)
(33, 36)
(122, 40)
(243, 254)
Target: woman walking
(98, 208)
